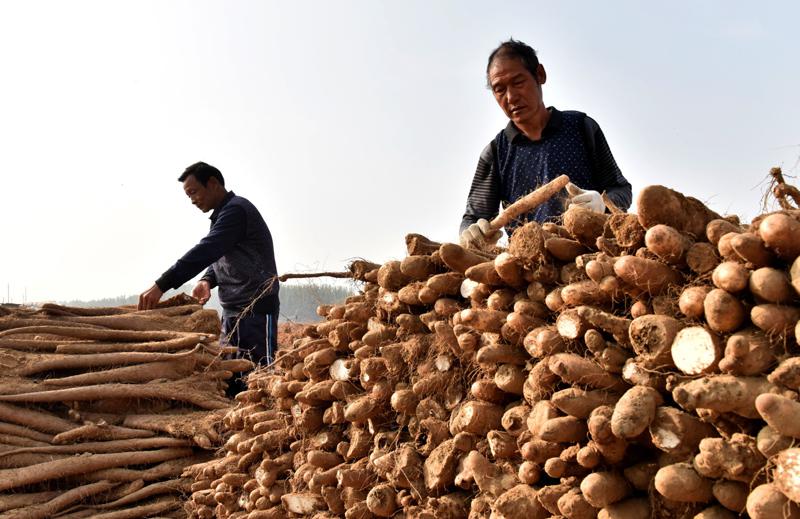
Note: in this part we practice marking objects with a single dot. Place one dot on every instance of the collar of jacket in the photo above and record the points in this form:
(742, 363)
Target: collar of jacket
(215, 213)
(553, 124)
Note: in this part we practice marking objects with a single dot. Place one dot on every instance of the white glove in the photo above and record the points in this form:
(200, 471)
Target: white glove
(585, 198)
(479, 235)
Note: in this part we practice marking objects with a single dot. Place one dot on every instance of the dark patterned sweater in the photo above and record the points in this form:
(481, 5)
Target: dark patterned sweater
(512, 165)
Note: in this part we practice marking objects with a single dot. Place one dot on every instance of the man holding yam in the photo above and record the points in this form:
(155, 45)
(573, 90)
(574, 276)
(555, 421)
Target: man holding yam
(538, 145)
(238, 256)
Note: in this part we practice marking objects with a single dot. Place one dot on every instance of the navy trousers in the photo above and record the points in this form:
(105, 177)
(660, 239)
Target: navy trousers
(255, 337)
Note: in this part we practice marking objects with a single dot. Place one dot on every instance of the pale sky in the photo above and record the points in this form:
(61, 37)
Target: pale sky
(350, 123)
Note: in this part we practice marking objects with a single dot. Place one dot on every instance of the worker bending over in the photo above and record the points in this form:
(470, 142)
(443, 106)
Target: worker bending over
(239, 259)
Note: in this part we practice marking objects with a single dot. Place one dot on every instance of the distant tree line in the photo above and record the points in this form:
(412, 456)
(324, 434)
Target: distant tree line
(298, 301)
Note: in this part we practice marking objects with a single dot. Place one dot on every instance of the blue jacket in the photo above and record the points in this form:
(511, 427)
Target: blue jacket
(239, 258)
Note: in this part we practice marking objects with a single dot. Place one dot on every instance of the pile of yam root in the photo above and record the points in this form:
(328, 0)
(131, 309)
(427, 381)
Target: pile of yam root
(101, 409)
(613, 365)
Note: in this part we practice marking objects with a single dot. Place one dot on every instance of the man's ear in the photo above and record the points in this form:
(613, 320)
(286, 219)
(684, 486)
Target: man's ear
(541, 74)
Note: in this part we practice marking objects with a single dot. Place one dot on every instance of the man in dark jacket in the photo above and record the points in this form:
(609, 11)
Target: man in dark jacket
(239, 258)
(538, 145)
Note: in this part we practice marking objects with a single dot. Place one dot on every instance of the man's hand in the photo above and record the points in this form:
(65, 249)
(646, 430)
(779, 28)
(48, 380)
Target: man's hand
(202, 291)
(150, 298)
(479, 235)
(585, 198)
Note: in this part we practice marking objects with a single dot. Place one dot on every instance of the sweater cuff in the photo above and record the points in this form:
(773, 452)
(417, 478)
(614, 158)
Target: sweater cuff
(164, 282)
(212, 283)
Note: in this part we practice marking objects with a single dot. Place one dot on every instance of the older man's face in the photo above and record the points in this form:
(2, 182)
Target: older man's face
(517, 92)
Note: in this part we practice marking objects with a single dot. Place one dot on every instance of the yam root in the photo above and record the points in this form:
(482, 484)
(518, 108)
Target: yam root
(770, 442)
(749, 352)
(574, 369)
(731, 494)
(736, 459)
(13, 478)
(775, 319)
(520, 501)
(767, 501)
(677, 432)
(723, 394)
(574, 323)
(696, 350)
(661, 205)
(780, 413)
(584, 224)
(681, 482)
(787, 373)
(489, 478)
(651, 337)
(458, 258)
(183, 390)
(770, 285)
(634, 412)
(716, 229)
(632, 508)
(57, 504)
(751, 249)
(102, 447)
(476, 417)
(580, 403)
(604, 488)
(691, 300)
(787, 473)
(667, 243)
(35, 419)
(779, 232)
(724, 313)
(702, 258)
(527, 244)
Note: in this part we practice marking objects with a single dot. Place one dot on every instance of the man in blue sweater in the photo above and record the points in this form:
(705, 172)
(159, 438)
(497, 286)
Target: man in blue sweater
(238, 256)
(538, 145)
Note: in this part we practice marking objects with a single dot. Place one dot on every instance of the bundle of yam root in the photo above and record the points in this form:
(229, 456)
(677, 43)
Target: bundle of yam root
(101, 409)
(614, 365)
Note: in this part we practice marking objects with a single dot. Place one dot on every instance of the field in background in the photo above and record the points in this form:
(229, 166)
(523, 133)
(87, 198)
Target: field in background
(299, 301)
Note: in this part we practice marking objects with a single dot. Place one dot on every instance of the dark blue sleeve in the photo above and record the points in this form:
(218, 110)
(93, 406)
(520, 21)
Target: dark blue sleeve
(484, 193)
(210, 276)
(225, 233)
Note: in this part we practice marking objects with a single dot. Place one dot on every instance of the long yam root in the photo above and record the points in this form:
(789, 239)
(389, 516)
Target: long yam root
(193, 391)
(102, 447)
(59, 503)
(38, 420)
(13, 478)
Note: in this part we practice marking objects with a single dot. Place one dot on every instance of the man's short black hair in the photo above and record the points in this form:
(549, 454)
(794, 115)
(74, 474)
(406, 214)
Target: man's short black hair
(517, 50)
(202, 172)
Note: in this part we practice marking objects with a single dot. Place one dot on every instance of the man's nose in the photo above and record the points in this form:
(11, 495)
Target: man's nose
(512, 94)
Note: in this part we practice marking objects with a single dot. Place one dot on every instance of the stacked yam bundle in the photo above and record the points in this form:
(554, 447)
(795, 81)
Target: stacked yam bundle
(614, 366)
(101, 409)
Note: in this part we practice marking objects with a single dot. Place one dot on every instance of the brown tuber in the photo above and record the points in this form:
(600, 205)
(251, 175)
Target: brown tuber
(634, 411)
(767, 502)
(680, 482)
(604, 488)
